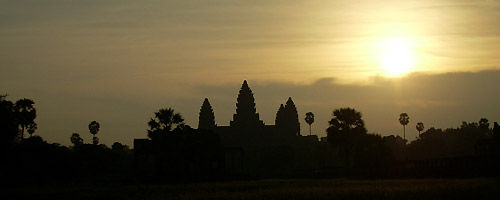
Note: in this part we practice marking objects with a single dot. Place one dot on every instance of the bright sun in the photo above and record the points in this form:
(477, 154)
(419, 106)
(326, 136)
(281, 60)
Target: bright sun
(396, 56)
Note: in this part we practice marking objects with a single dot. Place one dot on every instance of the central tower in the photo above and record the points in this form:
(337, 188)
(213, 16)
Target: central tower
(246, 117)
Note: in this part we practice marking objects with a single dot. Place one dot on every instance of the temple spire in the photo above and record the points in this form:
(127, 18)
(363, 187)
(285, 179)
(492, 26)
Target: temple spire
(292, 117)
(246, 116)
(207, 117)
(279, 115)
(287, 119)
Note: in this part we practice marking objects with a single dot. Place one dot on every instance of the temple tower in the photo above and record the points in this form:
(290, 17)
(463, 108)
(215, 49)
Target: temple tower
(287, 119)
(207, 117)
(246, 117)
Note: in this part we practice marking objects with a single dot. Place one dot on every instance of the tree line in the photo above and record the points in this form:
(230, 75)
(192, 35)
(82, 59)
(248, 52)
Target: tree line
(32, 160)
(181, 151)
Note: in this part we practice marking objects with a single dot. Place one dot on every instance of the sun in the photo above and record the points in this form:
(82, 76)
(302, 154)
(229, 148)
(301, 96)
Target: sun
(396, 56)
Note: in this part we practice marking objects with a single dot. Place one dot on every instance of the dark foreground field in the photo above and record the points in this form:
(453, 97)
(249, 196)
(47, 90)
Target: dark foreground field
(274, 189)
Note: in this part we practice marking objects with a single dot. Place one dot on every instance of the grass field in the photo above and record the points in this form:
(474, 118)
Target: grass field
(274, 189)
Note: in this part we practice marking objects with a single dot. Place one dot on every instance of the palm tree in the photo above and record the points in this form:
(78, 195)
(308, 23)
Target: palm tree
(164, 122)
(26, 113)
(309, 120)
(420, 127)
(94, 128)
(345, 131)
(404, 120)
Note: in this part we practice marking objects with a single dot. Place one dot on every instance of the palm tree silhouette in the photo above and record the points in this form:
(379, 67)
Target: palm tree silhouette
(26, 113)
(309, 120)
(94, 128)
(420, 127)
(404, 120)
(164, 122)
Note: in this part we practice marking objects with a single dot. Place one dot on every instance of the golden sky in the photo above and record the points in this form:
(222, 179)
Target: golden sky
(132, 57)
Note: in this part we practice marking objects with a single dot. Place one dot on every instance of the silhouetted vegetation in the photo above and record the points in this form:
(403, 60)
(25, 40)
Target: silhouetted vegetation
(309, 120)
(246, 149)
(346, 131)
(35, 161)
(181, 153)
(362, 152)
(26, 114)
(76, 140)
(420, 127)
(397, 146)
(163, 123)
(404, 119)
(94, 128)
(8, 125)
(451, 142)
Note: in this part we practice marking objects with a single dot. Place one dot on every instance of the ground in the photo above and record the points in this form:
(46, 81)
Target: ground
(484, 188)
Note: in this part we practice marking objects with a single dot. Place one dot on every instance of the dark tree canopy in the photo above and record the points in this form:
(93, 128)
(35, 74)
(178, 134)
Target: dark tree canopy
(484, 124)
(348, 134)
(76, 140)
(246, 117)
(119, 147)
(25, 114)
(396, 144)
(346, 122)
(31, 128)
(451, 142)
(8, 126)
(163, 122)
(186, 152)
(496, 131)
(207, 117)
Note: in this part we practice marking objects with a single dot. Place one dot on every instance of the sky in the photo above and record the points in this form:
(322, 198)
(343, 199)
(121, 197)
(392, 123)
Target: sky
(119, 61)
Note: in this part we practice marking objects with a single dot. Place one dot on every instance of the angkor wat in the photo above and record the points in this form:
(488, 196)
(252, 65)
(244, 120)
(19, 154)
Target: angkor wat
(248, 145)
(246, 128)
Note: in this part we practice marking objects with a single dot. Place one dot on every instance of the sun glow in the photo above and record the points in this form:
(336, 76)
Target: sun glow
(396, 56)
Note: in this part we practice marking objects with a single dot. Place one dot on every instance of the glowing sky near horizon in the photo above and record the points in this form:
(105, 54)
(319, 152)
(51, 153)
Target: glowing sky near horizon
(267, 40)
(119, 54)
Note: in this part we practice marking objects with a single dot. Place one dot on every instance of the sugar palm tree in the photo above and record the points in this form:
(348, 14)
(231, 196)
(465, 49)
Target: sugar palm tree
(94, 128)
(404, 120)
(420, 127)
(164, 121)
(309, 120)
(26, 113)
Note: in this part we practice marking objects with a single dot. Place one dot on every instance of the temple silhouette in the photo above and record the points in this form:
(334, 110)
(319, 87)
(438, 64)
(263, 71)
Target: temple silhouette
(246, 129)
(247, 139)
(247, 145)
